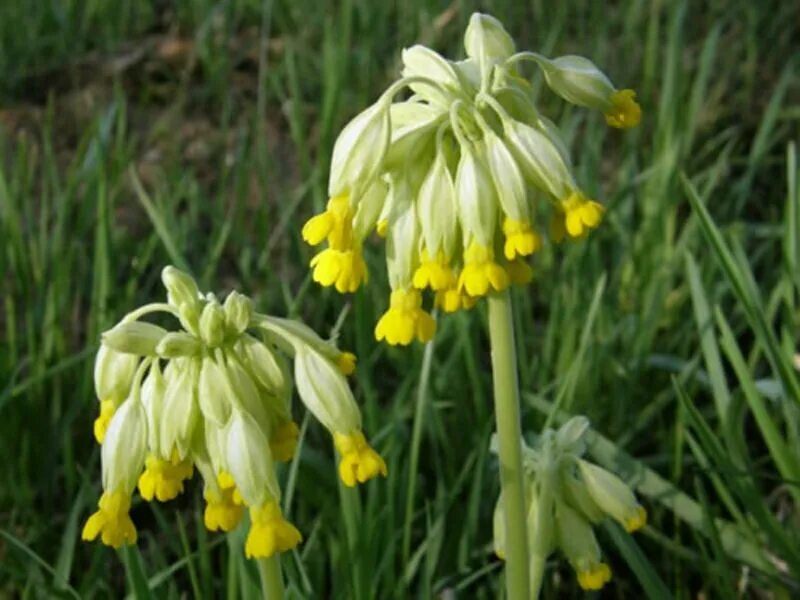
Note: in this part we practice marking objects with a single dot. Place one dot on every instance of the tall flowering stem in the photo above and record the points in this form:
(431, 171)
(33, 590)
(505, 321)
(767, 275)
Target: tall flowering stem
(507, 414)
(269, 569)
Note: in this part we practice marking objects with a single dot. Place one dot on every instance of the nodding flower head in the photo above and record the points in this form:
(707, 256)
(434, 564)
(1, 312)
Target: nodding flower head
(213, 396)
(566, 496)
(452, 177)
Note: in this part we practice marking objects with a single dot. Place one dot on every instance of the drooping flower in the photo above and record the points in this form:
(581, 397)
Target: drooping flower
(566, 496)
(451, 177)
(215, 396)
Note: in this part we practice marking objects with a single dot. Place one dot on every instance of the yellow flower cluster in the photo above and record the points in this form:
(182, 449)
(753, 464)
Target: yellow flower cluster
(565, 496)
(452, 177)
(215, 396)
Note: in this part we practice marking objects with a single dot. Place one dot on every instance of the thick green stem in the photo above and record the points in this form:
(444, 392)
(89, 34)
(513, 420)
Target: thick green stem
(506, 403)
(271, 580)
(416, 441)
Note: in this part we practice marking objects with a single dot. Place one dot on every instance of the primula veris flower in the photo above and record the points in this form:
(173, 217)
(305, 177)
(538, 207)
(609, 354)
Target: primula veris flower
(451, 177)
(214, 396)
(566, 496)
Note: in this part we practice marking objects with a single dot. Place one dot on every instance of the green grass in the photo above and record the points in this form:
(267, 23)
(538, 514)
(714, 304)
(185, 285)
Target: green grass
(674, 327)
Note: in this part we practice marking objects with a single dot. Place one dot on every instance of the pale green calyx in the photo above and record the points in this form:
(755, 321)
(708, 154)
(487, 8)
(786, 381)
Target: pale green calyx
(566, 495)
(253, 472)
(113, 374)
(125, 446)
(359, 151)
(487, 41)
(134, 337)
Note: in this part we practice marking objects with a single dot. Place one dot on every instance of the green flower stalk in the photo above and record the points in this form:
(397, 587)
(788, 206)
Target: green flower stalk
(565, 496)
(452, 177)
(215, 396)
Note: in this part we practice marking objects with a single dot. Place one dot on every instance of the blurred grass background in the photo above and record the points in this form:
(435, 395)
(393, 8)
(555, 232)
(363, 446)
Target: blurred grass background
(673, 328)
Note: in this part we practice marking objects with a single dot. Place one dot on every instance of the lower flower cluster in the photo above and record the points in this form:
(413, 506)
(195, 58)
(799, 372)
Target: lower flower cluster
(565, 496)
(214, 397)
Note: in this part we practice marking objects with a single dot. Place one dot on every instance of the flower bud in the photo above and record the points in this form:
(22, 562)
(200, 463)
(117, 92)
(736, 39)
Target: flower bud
(249, 398)
(248, 459)
(612, 495)
(267, 366)
(577, 540)
(125, 447)
(577, 495)
(414, 127)
(369, 209)
(507, 177)
(181, 288)
(181, 414)
(212, 324)
(577, 80)
(419, 61)
(487, 41)
(176, 344)
(570, 436)
(152, 395)
(214, 392)
(359, 151)
(238, 310)
(324, 391)
(436, 209)
(539, 158)
(113, 373)
(401, 246)
(134, 337)
(476, 197)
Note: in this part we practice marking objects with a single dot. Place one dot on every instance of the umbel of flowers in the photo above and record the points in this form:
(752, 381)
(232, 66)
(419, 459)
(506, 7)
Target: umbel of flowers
(452, 177)
(565, 497)
(214, 395)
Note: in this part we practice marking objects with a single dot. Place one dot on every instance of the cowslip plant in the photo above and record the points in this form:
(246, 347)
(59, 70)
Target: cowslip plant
(452, 176)
(214, 395)
(565, 495)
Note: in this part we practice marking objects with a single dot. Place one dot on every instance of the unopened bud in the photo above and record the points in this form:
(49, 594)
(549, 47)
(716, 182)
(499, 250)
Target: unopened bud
(238, 310)
(212, 324)
(176, 344)
(134, 337)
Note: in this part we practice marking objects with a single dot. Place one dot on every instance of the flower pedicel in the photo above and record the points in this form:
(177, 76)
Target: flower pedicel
(215, 396)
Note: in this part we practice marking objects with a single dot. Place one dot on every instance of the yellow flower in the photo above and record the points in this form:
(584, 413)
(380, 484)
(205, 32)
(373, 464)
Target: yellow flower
(405, 320)
(344, 269)
(625, 112)
(481, 273)
(360, 462)
(579, 215)
(433, 273)
(107, 410)
(283, 441)
(521, 239)
(346, 362)
(112, 521)
(382, 228)
(334, 224)
(637, 521)
(269, 532)
(594, 576)
(163, 479)
(224, 508)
